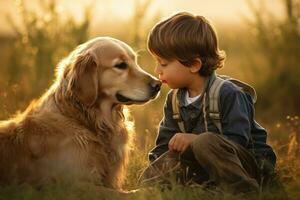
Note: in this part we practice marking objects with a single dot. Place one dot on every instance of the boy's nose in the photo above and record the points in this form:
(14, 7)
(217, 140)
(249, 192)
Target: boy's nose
(157, 70)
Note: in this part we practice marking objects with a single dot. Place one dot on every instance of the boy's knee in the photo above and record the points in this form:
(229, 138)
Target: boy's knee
(208, 144)
(204, 140)
(204, 143)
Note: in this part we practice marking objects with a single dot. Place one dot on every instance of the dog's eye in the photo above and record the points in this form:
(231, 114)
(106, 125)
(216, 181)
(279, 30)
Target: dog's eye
(122, 65)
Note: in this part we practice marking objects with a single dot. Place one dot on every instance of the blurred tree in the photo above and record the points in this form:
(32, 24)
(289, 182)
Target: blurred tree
(146, 118)
(44, 36)
(279, 41)
(43, 39)
(141, 26)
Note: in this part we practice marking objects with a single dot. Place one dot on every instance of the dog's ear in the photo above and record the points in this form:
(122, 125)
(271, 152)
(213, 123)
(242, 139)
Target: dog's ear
(84, 79)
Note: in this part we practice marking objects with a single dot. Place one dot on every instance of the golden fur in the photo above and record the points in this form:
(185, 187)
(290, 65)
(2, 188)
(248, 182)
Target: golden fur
(77, 128)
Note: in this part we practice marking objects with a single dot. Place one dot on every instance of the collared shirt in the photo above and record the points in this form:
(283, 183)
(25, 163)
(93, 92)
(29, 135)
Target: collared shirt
(237, 120)
(189, 100)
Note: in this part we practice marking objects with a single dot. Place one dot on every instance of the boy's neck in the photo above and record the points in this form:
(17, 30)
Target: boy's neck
(197, 86)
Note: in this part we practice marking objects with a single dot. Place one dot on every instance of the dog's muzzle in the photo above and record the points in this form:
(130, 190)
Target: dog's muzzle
(122, 98)
(154, 87)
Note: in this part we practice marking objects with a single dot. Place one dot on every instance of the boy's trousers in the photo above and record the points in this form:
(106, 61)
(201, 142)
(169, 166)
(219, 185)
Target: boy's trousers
(210, 157)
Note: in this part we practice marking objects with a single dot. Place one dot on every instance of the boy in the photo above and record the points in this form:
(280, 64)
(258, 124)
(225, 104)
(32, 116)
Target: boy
(236, 156)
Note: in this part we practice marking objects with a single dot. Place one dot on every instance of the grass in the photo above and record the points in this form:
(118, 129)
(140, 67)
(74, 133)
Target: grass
(288, 170)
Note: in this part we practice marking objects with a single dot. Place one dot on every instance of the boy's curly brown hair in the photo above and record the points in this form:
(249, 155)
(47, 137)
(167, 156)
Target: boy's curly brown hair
(185, 37)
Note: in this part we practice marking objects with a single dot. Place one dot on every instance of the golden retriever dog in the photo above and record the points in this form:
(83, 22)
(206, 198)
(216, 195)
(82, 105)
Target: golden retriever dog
(77, 128)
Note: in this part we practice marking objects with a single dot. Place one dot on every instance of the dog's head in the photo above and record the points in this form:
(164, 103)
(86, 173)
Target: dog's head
(107, 67)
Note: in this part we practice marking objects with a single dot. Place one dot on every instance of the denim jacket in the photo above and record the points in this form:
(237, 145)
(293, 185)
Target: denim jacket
(237, 120)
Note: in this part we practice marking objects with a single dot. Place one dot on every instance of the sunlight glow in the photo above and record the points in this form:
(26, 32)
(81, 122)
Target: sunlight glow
(115, 11)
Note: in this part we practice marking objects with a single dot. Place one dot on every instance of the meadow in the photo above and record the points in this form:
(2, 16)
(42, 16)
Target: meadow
(264, 52)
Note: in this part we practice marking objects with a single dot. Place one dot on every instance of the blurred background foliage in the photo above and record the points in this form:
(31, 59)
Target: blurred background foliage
(264, 53)
(279, 42)
(42, 40)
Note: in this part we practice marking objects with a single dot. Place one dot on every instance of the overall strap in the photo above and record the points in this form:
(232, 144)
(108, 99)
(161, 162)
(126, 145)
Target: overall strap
(176, 114)
(214, 95)
(214, 99)
(213, 103)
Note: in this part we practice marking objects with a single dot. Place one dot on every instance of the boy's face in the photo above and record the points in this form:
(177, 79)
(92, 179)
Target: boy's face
(173, 73)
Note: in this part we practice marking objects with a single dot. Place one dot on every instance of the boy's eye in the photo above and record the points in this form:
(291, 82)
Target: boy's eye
(163, 64)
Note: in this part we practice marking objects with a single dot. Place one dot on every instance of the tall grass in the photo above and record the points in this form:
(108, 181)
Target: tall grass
(43, 39)
(278, 40)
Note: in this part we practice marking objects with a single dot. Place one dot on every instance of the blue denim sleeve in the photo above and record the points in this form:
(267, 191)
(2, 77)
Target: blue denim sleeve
(236, 110)
(167, 128)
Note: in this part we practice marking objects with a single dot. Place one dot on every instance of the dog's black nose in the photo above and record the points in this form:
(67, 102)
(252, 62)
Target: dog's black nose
(155, 85)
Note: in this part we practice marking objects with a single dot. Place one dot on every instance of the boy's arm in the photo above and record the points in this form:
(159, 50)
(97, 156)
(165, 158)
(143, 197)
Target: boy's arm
(236, 114)
(167, 128)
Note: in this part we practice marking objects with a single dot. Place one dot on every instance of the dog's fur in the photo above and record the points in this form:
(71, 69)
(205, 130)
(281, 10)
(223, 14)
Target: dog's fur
(77, 128)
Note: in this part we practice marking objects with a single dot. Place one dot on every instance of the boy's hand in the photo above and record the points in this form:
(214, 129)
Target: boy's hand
(180, 141)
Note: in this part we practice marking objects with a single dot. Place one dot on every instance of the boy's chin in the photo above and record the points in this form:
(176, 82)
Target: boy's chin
(173, 87)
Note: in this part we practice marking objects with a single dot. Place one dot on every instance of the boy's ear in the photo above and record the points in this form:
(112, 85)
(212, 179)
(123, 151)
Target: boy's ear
(195, 66)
